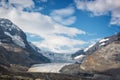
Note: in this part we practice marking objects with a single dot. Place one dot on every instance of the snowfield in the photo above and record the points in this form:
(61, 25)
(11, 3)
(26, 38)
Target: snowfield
(86, 49)
(17, 39)
(48, 67)
(103, 40)
(79, 57)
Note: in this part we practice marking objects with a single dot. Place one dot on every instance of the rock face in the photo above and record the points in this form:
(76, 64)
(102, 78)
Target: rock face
(96, 46)
(105, 59)
(102, 60)
(14, 47)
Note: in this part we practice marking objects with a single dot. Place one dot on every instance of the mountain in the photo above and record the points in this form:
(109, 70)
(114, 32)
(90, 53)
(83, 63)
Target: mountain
(54, 57)
(106, 58)
(14, 47)
(102, 59)
(79, 52)
(78, 56)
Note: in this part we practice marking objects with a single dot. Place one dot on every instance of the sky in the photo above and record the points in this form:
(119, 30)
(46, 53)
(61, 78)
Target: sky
(63, 26)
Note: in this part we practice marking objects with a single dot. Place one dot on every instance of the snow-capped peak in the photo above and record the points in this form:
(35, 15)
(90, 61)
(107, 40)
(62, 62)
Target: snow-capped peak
(14, 32)
(8, 25)
(102, 42)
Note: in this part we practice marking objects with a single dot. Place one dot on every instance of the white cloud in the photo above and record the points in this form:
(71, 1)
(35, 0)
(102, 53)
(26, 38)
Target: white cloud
(23, 3)
(58, 44)
(43, 0)
(64, 16)
(102, 7)
(43, 26)
(17, 3)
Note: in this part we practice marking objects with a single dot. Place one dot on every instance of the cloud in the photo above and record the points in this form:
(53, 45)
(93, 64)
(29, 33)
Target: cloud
(55, 37)
(102, 7)
(43, 0)
(64, 16)
(23, 3)
(60, 44)
(27, 5)
(17, 3)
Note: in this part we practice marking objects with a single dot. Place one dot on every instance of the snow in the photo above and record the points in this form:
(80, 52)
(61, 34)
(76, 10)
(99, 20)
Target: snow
(86, 49)
(8, 25)
(49, 67)
(17, 39)
(2, 22)
(15, 27)
(0, 42)
(103, 40)
(102, 44)
(54, 57)
(79, 57)
(8, 34)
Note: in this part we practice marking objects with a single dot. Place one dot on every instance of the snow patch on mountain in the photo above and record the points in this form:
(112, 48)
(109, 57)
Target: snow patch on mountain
(8, 25)
(0, 42)
(86, 49)
(102, 44)
(79, 57)
(16, 39)
(103, 40)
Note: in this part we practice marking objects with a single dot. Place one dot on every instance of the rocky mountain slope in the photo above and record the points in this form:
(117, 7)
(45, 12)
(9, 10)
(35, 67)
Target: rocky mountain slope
(93, 47)
(103, 58)
(14, 47)
(106, 59)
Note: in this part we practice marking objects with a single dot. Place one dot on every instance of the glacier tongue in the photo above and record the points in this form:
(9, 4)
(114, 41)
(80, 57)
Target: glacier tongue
(49, 67)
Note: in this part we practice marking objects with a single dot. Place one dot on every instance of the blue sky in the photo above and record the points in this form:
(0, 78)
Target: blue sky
(63, 26)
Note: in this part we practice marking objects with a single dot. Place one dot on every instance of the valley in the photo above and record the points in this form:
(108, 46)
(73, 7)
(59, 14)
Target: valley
(21, 60)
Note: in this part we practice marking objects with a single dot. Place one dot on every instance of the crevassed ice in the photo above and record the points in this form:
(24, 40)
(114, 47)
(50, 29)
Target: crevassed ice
(48, 68)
